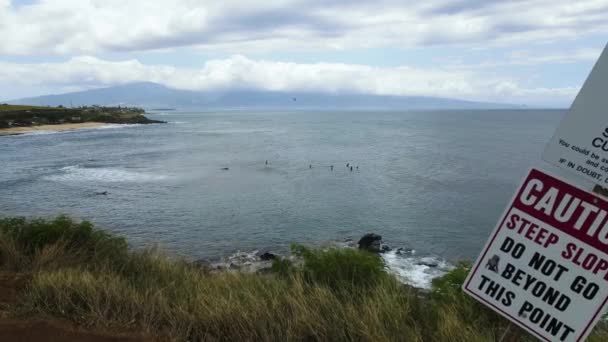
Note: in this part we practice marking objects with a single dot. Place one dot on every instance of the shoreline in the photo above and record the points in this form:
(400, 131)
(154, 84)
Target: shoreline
(41, 128)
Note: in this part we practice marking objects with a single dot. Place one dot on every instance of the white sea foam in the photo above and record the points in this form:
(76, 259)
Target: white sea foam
(416, 271)
(47, 132)
(248, 262)
(76, 173)
(109, 126)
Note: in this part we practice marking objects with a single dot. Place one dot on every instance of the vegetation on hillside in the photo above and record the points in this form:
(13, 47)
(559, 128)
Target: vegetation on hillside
(92, 278)
(25, 116)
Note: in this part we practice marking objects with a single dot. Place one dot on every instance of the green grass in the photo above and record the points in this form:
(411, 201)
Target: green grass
(10, 108)
(90, 277)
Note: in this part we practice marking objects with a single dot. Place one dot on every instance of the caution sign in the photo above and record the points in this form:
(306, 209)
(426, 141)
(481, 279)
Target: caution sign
(580, 144)
(545, 266)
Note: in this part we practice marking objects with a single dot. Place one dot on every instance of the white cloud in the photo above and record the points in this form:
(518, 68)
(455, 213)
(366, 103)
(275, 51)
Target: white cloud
(527, 58)
(241, 72)
(91, 26)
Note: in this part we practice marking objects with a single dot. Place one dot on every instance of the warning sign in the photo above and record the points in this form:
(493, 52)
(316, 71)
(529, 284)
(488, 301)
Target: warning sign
(545, 266)
(580, 144)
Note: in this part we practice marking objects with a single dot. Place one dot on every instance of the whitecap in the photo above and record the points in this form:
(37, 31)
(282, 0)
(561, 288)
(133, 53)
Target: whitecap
(76, 173)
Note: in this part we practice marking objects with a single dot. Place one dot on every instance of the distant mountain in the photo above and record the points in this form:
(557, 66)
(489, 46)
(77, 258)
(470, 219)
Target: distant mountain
(151, 95)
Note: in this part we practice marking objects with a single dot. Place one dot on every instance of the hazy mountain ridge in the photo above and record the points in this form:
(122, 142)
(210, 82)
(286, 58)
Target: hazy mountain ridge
(149, 95)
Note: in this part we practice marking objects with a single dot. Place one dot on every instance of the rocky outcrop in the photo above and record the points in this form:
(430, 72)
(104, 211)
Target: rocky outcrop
(429, 262)
(267, 256)
(371, 242)
(141, 119)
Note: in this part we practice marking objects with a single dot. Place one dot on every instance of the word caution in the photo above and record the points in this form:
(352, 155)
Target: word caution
(545, 266)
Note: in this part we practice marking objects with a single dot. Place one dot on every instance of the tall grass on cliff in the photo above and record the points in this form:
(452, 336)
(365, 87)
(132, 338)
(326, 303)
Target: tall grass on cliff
(90, 277)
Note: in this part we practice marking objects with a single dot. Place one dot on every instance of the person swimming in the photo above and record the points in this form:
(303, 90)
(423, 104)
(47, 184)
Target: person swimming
(310, 166)
(351, 169)
(266, 162)
(347, 165)
(331, 167)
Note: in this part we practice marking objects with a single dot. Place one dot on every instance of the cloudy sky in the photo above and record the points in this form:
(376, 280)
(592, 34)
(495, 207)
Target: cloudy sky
(535, 52)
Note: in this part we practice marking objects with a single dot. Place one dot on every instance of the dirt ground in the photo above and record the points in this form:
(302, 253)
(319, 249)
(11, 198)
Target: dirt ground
(36, 329)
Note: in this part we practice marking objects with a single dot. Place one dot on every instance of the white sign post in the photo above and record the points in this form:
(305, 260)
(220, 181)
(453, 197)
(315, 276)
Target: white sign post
(545, 266)
(580, 144)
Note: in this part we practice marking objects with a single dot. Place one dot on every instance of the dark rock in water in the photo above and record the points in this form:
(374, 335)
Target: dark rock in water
(428, 263)
(371, 242)
(140, 119)
(268, 256)
(234, 266)
(225, 168)
(385, 249)
(404, 251)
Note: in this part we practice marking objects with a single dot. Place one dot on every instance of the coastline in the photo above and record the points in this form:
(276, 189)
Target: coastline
(58, 127)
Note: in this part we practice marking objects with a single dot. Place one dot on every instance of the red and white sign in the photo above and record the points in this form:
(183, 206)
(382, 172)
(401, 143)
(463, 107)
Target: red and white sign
(545, 266)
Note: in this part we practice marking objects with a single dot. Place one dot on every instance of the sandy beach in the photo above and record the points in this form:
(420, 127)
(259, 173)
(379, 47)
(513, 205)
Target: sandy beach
(60, 127)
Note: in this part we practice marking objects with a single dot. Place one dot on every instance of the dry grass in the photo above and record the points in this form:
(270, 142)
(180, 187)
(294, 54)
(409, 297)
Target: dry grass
(177, 301)
(230, 307)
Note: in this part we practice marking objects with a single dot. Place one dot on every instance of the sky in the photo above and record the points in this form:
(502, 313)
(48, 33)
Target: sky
(535, 52)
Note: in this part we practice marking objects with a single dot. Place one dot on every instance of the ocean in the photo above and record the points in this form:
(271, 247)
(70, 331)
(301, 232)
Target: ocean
(434, 182)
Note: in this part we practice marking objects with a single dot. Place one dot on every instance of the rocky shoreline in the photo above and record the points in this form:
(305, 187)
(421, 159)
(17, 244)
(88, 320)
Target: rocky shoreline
(404, 263)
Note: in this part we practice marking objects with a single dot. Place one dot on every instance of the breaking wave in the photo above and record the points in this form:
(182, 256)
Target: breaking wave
(74, 130)
(76, 173)
(417, 271)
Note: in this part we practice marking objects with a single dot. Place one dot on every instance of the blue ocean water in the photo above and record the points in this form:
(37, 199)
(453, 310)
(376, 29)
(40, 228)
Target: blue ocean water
(435, 181)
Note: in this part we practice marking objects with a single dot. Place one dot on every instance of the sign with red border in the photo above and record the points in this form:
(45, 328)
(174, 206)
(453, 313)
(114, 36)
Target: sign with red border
(545, 266)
